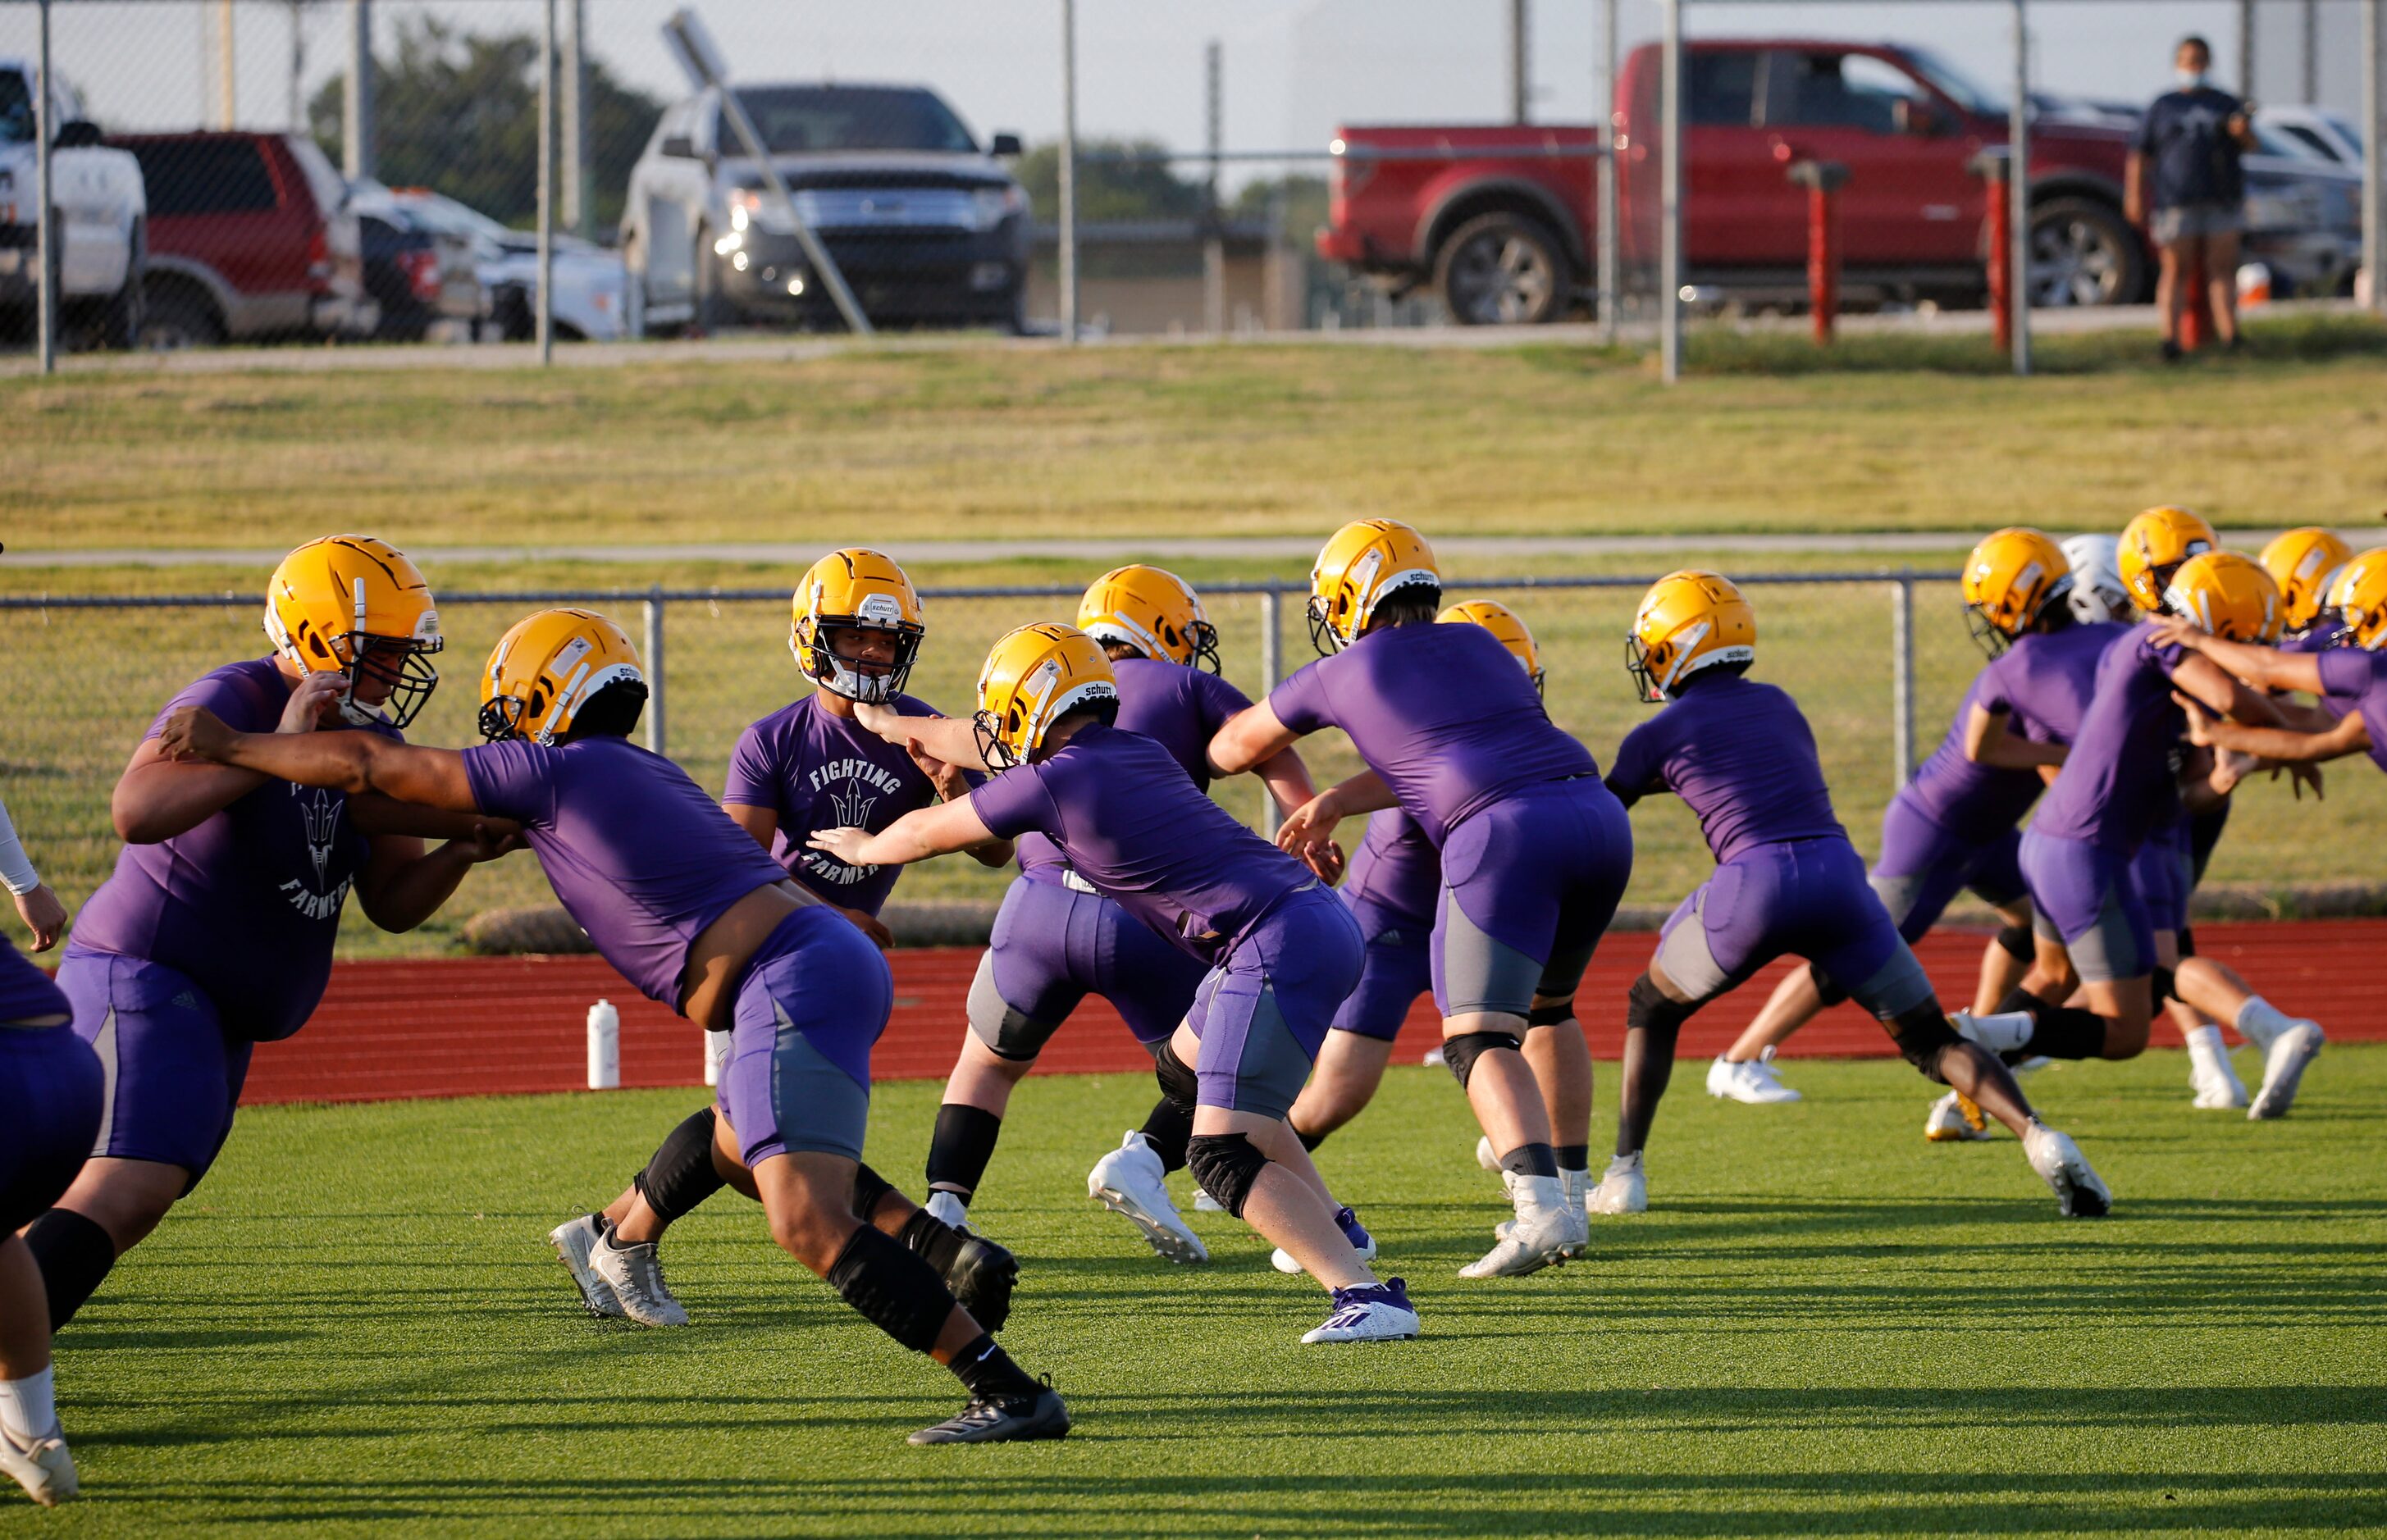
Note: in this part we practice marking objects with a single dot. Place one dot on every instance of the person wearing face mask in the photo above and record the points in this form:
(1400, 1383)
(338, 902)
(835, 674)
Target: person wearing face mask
(2185, 187)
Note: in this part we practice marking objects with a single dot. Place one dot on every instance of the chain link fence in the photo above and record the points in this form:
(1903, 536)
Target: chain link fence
(1877, 659)
(459, 170)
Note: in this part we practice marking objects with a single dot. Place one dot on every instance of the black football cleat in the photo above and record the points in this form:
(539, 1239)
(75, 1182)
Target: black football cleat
(1003, 1420)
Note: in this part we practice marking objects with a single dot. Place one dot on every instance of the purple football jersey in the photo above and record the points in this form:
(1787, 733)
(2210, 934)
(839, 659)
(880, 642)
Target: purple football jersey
(635, 849)
(2042, 685)
(2357, 680)
(247, 903)
(1129, 821)
(2118, 783)
(1442, 713)
(1396, 868)
(1179, 708)
(1742, 755)
(818, 770)
(26, 992)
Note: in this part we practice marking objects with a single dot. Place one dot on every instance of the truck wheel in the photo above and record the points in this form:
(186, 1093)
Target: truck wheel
(1501, 270)
(176, 319)
(2083, 252)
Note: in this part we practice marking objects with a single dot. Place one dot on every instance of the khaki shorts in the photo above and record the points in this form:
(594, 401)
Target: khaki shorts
(2195, 221)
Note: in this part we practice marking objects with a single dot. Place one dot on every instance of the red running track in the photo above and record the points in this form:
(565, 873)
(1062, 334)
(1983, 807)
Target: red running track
(472, 1026)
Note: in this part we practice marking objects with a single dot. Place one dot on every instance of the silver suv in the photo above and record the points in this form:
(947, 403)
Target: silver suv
(927, 227)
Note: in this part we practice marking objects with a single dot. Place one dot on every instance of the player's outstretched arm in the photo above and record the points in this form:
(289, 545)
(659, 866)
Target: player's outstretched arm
(403, 884)
(1248, 738)
(917, 836)
(157, 796)
(2276, 745)
(952, 739)
(1987, 741)
(352, 761)
(2264, 667)
(1286, 776)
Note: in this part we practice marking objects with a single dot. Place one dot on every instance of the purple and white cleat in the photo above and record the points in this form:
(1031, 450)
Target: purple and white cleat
(1379, 1312)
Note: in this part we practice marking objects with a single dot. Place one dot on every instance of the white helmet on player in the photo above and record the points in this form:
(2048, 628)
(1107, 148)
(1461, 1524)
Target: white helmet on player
(2097, 591)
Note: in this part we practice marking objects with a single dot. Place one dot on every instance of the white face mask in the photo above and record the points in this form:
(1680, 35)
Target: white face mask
(2191, 80)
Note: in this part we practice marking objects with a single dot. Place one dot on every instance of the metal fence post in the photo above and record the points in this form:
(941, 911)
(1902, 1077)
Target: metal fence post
(654, 650)
(1604, 170)
(1066, 263)
(2374, 158)
(1670, 199)
(45, 227)
(1902, 678)
(2018, 189)
(573, 142)
(1272, 668)
(357, 158)
(546, 319)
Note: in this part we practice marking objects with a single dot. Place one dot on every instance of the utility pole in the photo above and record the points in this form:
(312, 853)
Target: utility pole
(297, 114)
(575, 185)
(1068, 263)
(356, 160)
(1521, 67)
(1214, 243)
(2247, 49)
(227, 81)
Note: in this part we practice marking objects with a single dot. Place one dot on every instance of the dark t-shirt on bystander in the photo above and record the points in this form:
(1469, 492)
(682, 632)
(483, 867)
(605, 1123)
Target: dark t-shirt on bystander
(2191, 158)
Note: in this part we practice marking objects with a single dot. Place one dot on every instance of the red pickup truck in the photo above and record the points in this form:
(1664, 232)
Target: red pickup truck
(1500, 219)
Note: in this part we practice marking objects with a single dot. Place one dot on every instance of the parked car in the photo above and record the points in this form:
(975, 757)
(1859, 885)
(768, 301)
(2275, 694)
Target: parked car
(401, 274)
(250, 236)
(1507, 237)
(926, 226)
(2327, 135)
(589, 280)
(2304, 215)
(102, 213)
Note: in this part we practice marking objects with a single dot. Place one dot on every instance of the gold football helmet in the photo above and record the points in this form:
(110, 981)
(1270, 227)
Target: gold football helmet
(2153, 545)
(1688, 620)
(1363, 563)
(1035, 676)
(1153, 611)
(1503, 623)
(2225, 595)
(2360, 597)
(862, 590)
(352, 604)
(546, 667)
(2008, 579)
(2304, 563)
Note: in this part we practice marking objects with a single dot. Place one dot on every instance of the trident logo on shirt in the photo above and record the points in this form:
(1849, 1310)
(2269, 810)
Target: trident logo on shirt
(323, 816)
(852, 807)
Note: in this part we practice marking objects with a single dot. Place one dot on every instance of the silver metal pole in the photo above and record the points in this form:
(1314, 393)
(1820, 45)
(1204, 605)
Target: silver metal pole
(1901, 679)
(2374, 155)
(357, 158)
(1067, 260)
(45, 225)
(1272, 669)
(1214, 244)
(575, 145)
(1604, 168)
(1669, 198)
(2247, 49)
(296, 111)
(2312, 52)
(227, 76)
(2018, 188)
(1520, 70)
(654, 660)
(546, 319)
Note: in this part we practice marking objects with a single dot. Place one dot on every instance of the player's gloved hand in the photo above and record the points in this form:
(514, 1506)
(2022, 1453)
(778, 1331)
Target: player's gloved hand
(312, 704)
(42, 914)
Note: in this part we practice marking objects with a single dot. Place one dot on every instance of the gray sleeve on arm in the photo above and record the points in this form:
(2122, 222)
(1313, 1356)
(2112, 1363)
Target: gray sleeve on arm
(15, 867)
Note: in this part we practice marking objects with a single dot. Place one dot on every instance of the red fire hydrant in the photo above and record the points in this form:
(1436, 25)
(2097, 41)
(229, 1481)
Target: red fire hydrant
(1822, 179)
(1992, 166)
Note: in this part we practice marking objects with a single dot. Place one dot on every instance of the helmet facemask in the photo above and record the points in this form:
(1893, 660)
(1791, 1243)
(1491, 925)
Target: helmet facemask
(400, 666)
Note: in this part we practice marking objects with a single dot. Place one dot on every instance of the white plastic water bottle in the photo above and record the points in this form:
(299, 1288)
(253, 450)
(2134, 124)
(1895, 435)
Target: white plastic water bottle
(716, 1056)
(604, 1046)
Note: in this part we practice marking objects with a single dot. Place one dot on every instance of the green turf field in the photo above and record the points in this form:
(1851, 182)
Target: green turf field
(1825, 1328)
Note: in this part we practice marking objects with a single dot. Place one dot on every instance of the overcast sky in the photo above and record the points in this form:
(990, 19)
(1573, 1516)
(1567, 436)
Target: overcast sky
(1294, 68)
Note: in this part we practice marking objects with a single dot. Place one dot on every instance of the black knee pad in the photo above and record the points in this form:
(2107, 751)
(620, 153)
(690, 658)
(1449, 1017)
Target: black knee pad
(1178, 1081)
(2186, 943)
(1548, 1016)
(1226, 1165)
(869, 1187)
(680, 1175)
(1646, 1007)
(895, 1290)
(1461, 1051)
(1921, 1034)
(2166, 984)
(1828, 988)
(2017, 939)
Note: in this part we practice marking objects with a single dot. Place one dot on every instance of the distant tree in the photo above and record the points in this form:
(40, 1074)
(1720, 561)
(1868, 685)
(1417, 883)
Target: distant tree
(1110, 190)
(1298, 201)
(459, 112)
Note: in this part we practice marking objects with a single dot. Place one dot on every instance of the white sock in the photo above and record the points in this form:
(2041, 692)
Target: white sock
(2000, 1031)
(2205, 1049)
(947, 1208)
(29, 1407)
(2259, 1021)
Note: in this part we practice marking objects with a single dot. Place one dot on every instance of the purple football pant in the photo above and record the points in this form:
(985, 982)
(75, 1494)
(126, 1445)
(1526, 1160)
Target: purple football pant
(1054, 945)
(1924, 866)
(2163, 874)
(1529, 886)
(173, 1074)
(1398, 966)
(1262, 1014)
(50, 1090)
(2083, 897)
(813, 1001)
(1805, 898)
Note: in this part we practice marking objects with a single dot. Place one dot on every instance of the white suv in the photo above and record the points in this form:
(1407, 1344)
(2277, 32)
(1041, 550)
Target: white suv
(101, 207)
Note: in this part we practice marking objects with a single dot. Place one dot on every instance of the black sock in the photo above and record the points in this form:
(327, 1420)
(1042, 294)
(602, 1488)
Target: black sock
(1531, 1160)
(1309, 1140)
(988, 1372)
(960, 1148)
(680, 1175)
(2058, 1031)
(933, 1241)
(75, 1255)
(1574, 1157)
(1171, 1129)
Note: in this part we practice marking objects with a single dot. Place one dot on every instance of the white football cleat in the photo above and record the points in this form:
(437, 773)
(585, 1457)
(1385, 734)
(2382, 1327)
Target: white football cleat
(1953, 1118)
(1755, 1081)
(1378, 1312)
(948, 1209)
(2065, 1170)
(2284, 1069)
(573, 1240)
(635, 1274)
(45, 1470)
(1129, 1182)
(1538, 1237)
(1205, 1204)
(2217, 1088)
(1434, 1058)
(1485, 1156)
(1624, 1189)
